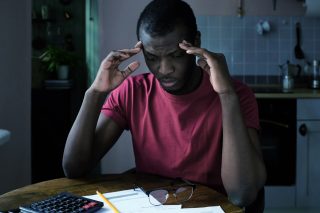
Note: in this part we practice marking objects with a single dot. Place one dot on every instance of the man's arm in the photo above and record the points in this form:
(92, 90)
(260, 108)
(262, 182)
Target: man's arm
(92, 134)
(243, 172)
(90, 137)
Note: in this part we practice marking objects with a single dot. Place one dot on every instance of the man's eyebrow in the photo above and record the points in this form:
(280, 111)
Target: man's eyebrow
(145, 51)
(176, 51)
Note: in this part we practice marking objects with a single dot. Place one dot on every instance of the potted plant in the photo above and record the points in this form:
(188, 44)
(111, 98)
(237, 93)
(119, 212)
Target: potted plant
(59, 60)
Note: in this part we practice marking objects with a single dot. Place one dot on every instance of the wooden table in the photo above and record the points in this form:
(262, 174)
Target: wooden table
(203, 196)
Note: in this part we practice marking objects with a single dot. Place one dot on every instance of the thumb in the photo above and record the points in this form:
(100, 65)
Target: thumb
(131, 68)
(204, 65)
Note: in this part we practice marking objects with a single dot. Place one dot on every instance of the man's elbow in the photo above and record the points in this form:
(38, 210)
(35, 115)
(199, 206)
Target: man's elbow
(244, 197)
(70, 169)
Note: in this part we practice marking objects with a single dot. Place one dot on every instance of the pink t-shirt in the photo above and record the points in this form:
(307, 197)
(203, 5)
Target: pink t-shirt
(176, 136)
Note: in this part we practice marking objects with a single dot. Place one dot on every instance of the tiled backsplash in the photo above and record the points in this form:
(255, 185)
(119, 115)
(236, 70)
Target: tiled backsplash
(258, 56)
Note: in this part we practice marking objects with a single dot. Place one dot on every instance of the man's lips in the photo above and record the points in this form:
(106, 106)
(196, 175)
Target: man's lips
(168, 82)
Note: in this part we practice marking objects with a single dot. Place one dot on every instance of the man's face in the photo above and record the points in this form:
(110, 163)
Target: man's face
(171, 65)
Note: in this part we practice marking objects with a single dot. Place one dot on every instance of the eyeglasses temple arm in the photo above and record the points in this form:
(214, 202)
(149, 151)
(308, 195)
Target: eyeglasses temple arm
(142, 189)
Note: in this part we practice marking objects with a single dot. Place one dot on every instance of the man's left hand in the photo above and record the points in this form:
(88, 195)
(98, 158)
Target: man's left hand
(214, 64)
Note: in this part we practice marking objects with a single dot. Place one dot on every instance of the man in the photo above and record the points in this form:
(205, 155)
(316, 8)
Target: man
(187, 120)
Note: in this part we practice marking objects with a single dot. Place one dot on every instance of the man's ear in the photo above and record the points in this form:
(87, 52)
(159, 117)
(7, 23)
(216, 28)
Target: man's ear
(197, 40)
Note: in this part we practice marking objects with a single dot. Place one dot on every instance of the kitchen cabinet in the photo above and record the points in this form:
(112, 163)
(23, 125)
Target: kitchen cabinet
(308, 154)
(304, 193)
(278, 143)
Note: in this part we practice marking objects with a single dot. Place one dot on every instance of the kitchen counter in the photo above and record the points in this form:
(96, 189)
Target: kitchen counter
(275, 91)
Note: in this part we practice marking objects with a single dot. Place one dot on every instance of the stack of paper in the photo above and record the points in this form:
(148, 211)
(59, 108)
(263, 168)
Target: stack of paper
(132, 201)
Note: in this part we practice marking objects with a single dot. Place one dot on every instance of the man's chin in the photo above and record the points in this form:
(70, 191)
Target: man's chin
(173, 90)
(172, 87)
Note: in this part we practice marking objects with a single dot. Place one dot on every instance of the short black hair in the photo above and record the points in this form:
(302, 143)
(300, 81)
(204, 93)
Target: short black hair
(160, 17)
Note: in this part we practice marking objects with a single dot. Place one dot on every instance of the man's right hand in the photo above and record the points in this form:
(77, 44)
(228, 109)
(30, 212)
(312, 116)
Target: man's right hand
(92, 133)
(109, 75)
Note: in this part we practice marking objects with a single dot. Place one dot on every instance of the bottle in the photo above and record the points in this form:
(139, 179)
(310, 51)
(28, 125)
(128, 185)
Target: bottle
(287, 77)
(315, 82)
(44, 12)
(287, 83)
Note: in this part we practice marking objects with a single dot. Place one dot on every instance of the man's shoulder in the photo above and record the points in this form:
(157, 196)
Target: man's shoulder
(239, 85)
(141, 83)
(242, 89)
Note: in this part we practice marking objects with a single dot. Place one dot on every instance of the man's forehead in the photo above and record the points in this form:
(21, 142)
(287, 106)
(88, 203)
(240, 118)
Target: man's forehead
(167, 43)
(161, 48)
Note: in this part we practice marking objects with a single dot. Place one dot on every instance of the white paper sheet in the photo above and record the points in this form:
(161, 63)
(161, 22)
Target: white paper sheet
(131, 201)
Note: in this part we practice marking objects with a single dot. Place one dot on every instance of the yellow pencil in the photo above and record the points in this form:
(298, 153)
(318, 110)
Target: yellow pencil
(115, 210)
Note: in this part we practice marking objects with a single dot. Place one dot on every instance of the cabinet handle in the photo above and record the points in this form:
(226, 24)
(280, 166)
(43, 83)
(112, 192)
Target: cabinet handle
(275, 123)
(303, 129)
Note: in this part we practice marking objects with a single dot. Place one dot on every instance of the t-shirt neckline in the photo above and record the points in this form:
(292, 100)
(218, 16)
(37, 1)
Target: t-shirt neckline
(201, 90)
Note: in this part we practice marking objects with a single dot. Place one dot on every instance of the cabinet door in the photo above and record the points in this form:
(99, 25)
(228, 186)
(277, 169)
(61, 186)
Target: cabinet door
(308, 163)
(308, 109)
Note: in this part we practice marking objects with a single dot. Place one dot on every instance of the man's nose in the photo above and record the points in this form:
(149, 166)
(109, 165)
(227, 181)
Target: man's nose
(166, 67)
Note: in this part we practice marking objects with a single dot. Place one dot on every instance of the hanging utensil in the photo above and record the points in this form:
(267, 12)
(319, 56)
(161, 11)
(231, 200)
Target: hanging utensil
(297, 49)
(274, 5)
(240, 9)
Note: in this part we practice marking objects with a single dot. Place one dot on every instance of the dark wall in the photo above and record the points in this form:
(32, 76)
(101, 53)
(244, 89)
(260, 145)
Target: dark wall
(15, 89)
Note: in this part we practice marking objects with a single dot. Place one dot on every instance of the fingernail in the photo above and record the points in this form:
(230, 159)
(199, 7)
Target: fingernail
(138, 44)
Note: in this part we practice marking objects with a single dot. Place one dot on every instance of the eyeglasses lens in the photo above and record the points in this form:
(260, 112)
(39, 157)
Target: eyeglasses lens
(158, 197)
(183, 193)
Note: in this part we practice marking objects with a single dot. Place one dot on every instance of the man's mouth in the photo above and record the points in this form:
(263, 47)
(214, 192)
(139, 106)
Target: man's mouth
(168, 82)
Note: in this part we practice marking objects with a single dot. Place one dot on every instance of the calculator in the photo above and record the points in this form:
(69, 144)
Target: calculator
(63, 203)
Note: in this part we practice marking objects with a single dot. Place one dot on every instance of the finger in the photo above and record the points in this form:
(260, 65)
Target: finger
(185, 45)
(202, 53)
(138, 44)
(204, 65)
(126, 53)
(115, 58)
(130, 68)
(120, 55)
(130, 52)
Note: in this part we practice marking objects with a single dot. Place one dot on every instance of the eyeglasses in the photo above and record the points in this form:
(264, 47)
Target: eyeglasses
(159, 196)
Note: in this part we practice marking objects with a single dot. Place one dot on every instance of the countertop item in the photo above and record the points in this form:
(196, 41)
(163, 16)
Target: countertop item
(297, 49)
(4, 136)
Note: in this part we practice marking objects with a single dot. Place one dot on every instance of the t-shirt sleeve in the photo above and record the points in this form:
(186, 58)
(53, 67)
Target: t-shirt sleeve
(249, 106)
(114, 106)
